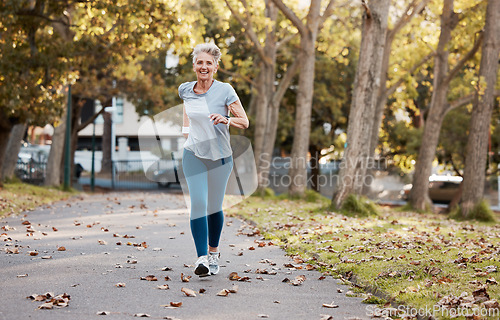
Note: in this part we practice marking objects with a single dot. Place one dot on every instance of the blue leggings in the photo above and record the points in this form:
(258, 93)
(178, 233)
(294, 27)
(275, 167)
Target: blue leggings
(207, 181)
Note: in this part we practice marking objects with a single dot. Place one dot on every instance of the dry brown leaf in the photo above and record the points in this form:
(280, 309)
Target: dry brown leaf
(150, 278)
(61, 249)
(330, 305)
(33, 253)
(262, 316)
(176, 304)
(102, 242)
(188, 292)
(163, 287)
(120, 285)
(103, 313)
(142, 315)
(233, 276)
(299, 280)
(223, 293)
(46, 305)
(47, 257)
(26, 223)
(202, 290)
(185, 278)
(234, 289)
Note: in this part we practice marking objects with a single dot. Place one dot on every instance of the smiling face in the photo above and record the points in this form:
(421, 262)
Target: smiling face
(205, 66)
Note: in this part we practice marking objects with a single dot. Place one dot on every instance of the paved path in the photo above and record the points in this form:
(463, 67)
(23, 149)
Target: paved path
(92, 264)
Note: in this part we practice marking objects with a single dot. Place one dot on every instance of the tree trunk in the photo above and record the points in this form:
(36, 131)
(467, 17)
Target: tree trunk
(477, 143)
(5, 129)
(419, 195)
(106, 144)
(314, 163)
(55, 160)
(13, 147)
(302, 128)
(366, 85)
(272, 123)
(261, 114)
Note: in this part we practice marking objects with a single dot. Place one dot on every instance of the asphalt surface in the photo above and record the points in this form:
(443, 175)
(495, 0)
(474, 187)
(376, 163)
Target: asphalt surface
(153, 229)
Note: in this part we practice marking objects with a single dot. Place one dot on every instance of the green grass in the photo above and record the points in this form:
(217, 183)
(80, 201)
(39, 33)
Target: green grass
(480, 212)
(16, 197)
(404, 257)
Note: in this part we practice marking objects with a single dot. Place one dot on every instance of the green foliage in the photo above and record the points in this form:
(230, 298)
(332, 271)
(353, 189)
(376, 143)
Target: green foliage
(481, 212)
(359, 206)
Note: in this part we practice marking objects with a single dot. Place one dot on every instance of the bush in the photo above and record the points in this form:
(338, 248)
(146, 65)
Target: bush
(480, 212)
(360, 206)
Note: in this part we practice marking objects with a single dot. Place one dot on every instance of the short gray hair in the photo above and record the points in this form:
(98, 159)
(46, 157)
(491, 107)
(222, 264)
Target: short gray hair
(209, 48)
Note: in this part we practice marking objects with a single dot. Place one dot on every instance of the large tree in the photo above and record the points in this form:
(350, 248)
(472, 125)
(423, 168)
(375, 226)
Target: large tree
(268, 96)
(34, 65)
(308, 32)
(439, 105)
(361, 117)
(477, 143)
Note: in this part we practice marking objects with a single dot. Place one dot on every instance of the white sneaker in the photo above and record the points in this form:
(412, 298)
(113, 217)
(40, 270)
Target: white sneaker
(201, 268)
(213, 262)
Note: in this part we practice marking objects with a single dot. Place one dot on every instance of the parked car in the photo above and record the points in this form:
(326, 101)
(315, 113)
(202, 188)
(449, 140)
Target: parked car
(165, 172)
(442, 189)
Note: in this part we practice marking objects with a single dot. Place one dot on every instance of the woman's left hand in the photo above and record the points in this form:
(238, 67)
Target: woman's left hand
(218, 118)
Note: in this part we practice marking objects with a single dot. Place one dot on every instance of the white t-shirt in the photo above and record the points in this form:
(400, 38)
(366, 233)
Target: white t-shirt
(205, 139)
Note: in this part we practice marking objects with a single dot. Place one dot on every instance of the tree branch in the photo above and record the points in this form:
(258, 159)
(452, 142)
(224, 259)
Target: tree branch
(403, 21)
(249, 32)
(467, 57)
(291, 16)
(462, 101)
(90, 120)
(328, 12)
(393, 88)
(285, 82)
(367, 9)
(234, 74)
(284, 41)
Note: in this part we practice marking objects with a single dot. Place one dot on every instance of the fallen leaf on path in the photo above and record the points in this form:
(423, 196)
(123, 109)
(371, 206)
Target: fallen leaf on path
(46, 306)
(188, 292)
(12, 250)
(33, 253)
(163, 287)
(223, 293)
(202, 290)
(330, 305)
(326, 317)
(61, 249)
(233, 276)
(234, 289)
(262, 316)
(142, 315)
(166, 269)
(120, 285)
(103, 313)
(149, 278)
(167, 278)
(22, 275)
(299, 280)
(176, 304)
(47, 257)
(102, 242)
(185, 278)
(26, 223)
